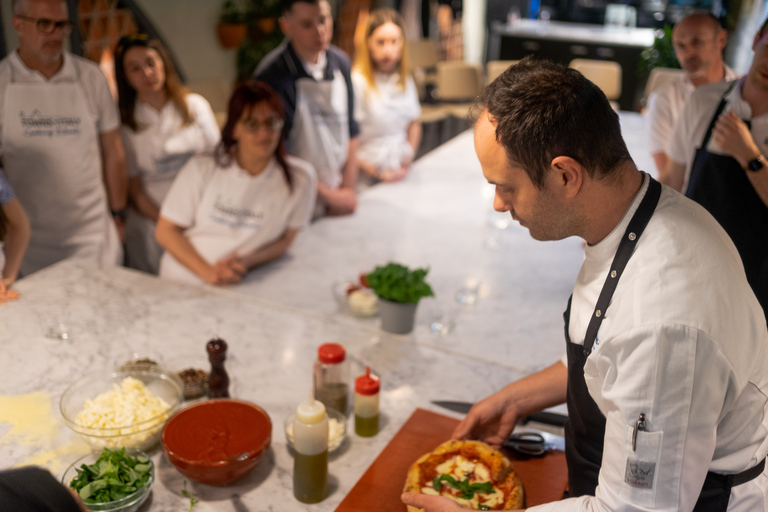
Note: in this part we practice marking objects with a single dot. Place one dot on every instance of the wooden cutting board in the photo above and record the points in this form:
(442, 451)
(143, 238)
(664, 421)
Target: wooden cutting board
(544, 479)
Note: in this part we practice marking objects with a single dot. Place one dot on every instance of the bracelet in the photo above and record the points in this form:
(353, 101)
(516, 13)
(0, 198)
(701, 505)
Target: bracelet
(120, 214)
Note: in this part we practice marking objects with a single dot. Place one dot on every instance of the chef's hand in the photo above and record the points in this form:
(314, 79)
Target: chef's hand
(732, 135)
(430, 503)
(491, 420)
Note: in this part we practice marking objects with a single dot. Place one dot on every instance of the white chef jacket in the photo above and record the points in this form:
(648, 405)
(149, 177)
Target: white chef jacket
(684, 341)
(227, 211)
(665, 105)
(384, 115)
(694, 120)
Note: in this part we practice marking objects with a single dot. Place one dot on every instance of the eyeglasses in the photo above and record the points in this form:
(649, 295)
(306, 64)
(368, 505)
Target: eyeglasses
(272, 124)
(46, 26)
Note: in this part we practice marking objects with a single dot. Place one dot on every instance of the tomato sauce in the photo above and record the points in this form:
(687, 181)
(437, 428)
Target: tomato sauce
(217, 431)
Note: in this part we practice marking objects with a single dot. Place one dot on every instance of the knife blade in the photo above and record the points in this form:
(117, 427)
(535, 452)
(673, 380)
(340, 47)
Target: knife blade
(547, 418)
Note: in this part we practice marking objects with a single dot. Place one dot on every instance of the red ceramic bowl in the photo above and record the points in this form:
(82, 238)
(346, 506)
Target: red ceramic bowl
(218, 441)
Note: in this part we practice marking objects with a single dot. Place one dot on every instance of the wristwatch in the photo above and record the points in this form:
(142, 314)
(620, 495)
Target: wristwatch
(757, 163)
(123, 213)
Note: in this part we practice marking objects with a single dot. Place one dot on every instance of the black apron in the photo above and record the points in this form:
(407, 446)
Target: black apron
(585, 429)
(720, 185)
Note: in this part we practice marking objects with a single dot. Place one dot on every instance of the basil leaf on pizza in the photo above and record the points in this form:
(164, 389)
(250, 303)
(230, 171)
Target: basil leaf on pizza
(469, 472)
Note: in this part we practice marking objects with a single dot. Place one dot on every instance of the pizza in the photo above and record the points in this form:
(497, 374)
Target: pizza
(470, 473)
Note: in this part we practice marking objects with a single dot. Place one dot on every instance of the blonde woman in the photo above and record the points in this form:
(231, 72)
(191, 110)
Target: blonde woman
(386, 101)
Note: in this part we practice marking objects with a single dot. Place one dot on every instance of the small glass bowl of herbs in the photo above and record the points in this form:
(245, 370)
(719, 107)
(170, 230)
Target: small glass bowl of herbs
(114, 480)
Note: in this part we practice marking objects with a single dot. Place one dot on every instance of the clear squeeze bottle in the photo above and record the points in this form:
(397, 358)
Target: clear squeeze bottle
(331, 377)
(367, 404)
(310, 443)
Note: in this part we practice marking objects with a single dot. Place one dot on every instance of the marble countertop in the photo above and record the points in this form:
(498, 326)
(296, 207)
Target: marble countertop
(439, 216)
(581, 32)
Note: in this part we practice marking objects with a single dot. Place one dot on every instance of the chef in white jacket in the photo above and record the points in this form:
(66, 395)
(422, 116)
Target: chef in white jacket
(60, 142)
(666, 374)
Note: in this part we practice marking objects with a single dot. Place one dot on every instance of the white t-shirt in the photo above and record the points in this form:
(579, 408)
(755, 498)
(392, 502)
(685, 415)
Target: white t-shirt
(227, 211)
(384, 115)
(694, 120)
(101, 106)
(684, 341)
(665, 105)
(162, 146)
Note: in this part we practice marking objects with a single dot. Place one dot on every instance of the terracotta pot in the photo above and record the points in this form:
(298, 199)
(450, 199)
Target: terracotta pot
(266, 25)
(397, 317)
(231, 35)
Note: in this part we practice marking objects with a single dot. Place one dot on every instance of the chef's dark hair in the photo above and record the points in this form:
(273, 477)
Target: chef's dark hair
(246, 96)
(126, 94)
(543, 110)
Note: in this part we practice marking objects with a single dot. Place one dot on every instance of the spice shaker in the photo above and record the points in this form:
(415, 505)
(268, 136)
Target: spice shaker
(310, 444)
(218, 380)
(331, 377)
(367, 404)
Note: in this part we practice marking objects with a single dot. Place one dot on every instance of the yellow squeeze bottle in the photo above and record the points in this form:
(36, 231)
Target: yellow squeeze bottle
(310, 442)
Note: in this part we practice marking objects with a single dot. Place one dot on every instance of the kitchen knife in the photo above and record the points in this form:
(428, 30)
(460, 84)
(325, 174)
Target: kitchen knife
(546, 418)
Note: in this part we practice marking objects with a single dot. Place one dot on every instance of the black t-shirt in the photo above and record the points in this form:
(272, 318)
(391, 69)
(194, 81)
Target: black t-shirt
(33, 489)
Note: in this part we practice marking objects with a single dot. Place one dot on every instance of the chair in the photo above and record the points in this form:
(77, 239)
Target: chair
(496, 67)
(422, 53)
(658, 78)
(217, 93)
(458, 84)
(605, 74)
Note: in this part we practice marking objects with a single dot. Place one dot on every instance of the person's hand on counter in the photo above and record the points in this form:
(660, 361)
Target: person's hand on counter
(6, 294)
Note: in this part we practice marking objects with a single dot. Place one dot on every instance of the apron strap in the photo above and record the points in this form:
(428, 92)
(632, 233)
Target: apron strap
(623, 253)
(720, 108)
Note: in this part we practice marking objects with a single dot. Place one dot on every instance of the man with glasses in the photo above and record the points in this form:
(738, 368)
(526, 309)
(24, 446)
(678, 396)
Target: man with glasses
(59, 142)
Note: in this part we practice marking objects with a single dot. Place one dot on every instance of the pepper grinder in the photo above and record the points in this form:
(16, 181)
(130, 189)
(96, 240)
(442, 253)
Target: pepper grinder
(218, 380)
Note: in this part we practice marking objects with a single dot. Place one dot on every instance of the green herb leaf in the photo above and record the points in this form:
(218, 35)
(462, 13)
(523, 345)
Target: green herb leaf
(466, 490)
(111, 477)
(192, 500)
(397, 283)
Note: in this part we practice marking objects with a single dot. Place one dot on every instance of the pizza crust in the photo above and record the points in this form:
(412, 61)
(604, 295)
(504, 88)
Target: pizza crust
(503, 474)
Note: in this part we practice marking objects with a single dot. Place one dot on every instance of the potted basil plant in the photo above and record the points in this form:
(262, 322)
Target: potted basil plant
(399, 290)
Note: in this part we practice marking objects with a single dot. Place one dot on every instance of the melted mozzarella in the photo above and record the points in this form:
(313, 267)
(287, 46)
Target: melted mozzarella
(458, 467)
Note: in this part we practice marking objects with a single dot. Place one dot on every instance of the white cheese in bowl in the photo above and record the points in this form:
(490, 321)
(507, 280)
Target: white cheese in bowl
(122, 408)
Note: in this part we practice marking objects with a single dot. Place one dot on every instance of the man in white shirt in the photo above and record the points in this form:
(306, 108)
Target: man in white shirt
(666, 374)
(718, 157)
(60, 143)
(313, 79)
(698, 40)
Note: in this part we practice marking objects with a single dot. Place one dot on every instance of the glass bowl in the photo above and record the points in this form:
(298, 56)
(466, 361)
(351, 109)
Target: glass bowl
(137, 360)
(193, 387)
(130, 503)
(337, 428)
(366, 306)
(142, 435)
(218, 441)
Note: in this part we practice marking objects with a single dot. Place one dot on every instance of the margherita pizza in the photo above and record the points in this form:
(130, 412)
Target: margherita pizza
(470, 473)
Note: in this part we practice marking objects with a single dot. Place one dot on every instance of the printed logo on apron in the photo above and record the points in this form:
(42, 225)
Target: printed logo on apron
(38, 124)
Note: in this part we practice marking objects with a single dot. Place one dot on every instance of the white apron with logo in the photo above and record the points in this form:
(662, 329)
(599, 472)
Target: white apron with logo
(320, 132)
(52, 158)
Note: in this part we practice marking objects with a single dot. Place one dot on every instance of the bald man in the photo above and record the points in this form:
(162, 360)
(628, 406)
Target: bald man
(698, 40)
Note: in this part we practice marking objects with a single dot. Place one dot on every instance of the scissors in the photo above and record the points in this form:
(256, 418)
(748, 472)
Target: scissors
(532, 444)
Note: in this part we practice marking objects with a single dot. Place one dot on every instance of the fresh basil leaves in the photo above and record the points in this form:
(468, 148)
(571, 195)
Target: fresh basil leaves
(466, 490)
(113, 476)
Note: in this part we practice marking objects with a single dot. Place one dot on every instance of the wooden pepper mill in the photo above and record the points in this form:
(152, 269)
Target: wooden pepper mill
(218, 380)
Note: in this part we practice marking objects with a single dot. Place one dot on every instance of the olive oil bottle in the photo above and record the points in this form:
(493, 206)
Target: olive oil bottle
(310, 443)
(367, 404)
